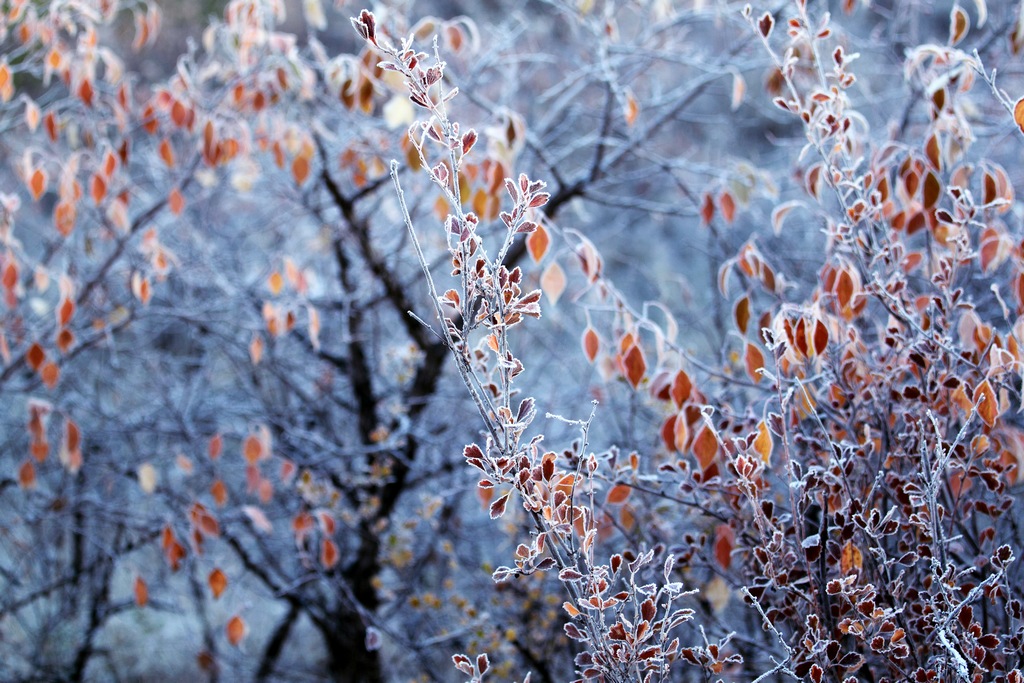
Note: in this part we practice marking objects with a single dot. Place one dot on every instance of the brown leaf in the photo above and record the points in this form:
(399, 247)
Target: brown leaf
(741, 312)
(959, 24)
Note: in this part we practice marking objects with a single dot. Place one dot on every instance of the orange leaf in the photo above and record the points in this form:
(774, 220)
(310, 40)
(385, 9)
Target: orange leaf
(705, 447)
(176, 202)
(141, 592)
(256, 349)
(218, 583)
(1018, 114)
(275, 283)
(570, 609)
(167, 153)
(728, 207)
(328, 553)
(50, 374)
(986, 403)
(763, 442)
(236, 630)
(682, 387)
(27, 475)
(65, 310)
(252, 449)
(618, 494)
(591, 343)
(37, 183)
(681, 432)
(219, 492)
(552, 281)
(851, 559)
(632, 109)
(755, 361)
(215, 447)
(537, 243)
(634, 366)
(300, 169)
(97, 188)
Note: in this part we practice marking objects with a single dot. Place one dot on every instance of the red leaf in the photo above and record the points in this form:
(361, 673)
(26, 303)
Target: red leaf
(35, 356)
(707, 210)
(141, 592)
(728, 207)
(725, 539)
(328, 553)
